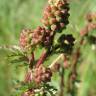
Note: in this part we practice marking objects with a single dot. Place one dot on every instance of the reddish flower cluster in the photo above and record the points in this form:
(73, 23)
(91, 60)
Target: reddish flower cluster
(25, 37)
(42, 74)
(87, 29)
(56, 17)
(91, 24)
(47, 38)
(39, 74)
(91, 17)
(30, 38)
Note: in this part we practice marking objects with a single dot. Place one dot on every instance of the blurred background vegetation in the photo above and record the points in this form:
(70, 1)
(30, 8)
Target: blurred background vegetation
(16, 15)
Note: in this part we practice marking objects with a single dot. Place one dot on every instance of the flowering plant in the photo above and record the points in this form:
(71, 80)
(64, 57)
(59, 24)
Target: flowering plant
(51, 39)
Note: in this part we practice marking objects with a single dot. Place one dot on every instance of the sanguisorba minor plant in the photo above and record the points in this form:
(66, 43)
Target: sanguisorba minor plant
(38, 78)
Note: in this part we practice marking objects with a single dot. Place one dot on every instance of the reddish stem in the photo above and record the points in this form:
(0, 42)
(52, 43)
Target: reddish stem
(65, 62)
(33, 56)
(31, 60)
(42, 58)
(62, 82)
(62, 79)
(73, 73)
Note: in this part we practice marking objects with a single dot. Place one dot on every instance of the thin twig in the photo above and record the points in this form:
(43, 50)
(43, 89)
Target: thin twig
(62, 82)
(31, 60)
(56, 60)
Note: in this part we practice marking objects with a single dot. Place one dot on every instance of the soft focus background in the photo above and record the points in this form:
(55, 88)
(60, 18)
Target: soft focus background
(18, 14)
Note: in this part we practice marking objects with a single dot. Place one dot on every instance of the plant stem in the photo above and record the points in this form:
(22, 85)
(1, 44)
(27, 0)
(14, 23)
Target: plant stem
(31, 60)
(62, 82)
(42, 58)
(55, 61)
(73, 73)
(62, 78)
